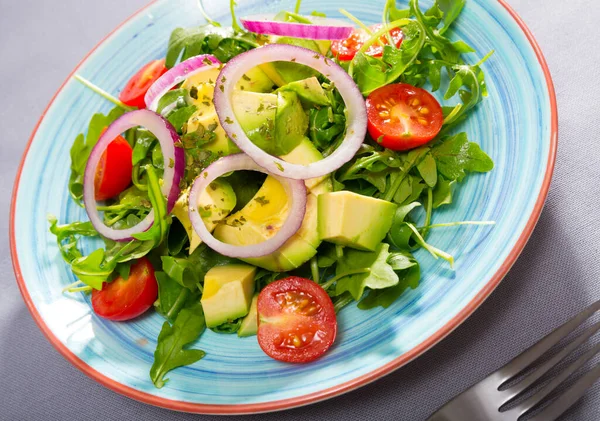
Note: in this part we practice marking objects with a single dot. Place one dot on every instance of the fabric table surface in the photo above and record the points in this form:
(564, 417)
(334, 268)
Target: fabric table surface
(555, 277)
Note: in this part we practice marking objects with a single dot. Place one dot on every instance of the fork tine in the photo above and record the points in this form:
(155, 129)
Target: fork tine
(523, 360)
(536, 398)
(544, 368)
(568, 398)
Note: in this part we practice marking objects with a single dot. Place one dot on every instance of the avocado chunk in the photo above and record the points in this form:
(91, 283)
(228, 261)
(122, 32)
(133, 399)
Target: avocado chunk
(265, 213)
(276, 123)
(256, 114)
(291, 123)
(306, 153)
(261, 218)
(309, 90)
(284, 72)
(201, 87)
(215, 203)
(255, 80)
(249, 325)
(227, 293)
(354, 220)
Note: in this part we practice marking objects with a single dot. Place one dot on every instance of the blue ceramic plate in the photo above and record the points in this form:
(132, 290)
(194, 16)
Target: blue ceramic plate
(516, 125)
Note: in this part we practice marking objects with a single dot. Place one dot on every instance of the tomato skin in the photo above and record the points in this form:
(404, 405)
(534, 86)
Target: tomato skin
(113, 174)
(296, 320)
(346, 49)
(402, 116)
(121, 299)
(136, 88)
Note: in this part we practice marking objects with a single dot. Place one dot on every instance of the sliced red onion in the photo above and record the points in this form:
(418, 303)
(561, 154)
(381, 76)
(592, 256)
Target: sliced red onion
(319, 29)
(176, 75)
(296, 192)
(174, 166)
(355, 106)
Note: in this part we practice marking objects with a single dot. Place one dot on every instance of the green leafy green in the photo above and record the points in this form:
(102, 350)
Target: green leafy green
(371, 73)
(189, 271)
(172, 297)
(143, 144)
(229, 327)
(455, 156)
(400, 234)
(159, 228)
(409, 274)
(171, 351)
(451, 10)
(223, 43)
(378, 273)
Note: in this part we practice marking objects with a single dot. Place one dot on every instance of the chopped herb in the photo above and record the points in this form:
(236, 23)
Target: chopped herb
(262, 200)
(194, 92)
(228, 120)
(279, 166)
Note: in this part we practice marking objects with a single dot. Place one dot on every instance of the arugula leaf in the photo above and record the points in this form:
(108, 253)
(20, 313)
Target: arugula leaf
(393, 12)
(327, 124)
(428, 170)
(177, 238)
(371, 73)
(82, 147)
(179, 117)
(455, 155)
(380, 274)
(144, 140)
(92, 270)
(66, 236)
(171, 296)
(442, 193)
(400, 234)
(189, 271)
(229, 327)
(451, 10)
(170, 352)
(159, 228)
(223, 43)
(409, 274)
(181, 270)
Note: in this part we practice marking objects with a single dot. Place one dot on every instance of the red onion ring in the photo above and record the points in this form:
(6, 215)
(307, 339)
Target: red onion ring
(174, 166)
(319, 29)
(295, 189)
(176, 75)
(355, 105)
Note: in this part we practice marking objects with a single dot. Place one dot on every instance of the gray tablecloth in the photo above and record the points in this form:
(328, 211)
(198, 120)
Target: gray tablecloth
(557, 274)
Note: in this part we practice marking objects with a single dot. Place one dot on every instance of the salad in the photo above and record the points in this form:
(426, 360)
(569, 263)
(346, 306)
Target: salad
(261, 177)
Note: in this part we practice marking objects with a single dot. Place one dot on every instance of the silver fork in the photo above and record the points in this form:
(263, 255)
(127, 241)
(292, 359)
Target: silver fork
(482, 402)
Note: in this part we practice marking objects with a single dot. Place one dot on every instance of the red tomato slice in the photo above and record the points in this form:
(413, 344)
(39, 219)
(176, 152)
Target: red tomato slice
(403, 117)
(121, 299)
(138, 85)
(296, 320)
(113, 174)
(346, 49)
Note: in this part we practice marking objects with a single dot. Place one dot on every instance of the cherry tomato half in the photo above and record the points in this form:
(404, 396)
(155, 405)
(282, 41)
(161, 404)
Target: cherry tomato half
(346, 49)
(403, 117)
(138, 85)
(122, 299)
(296, 320)
(113, 174)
